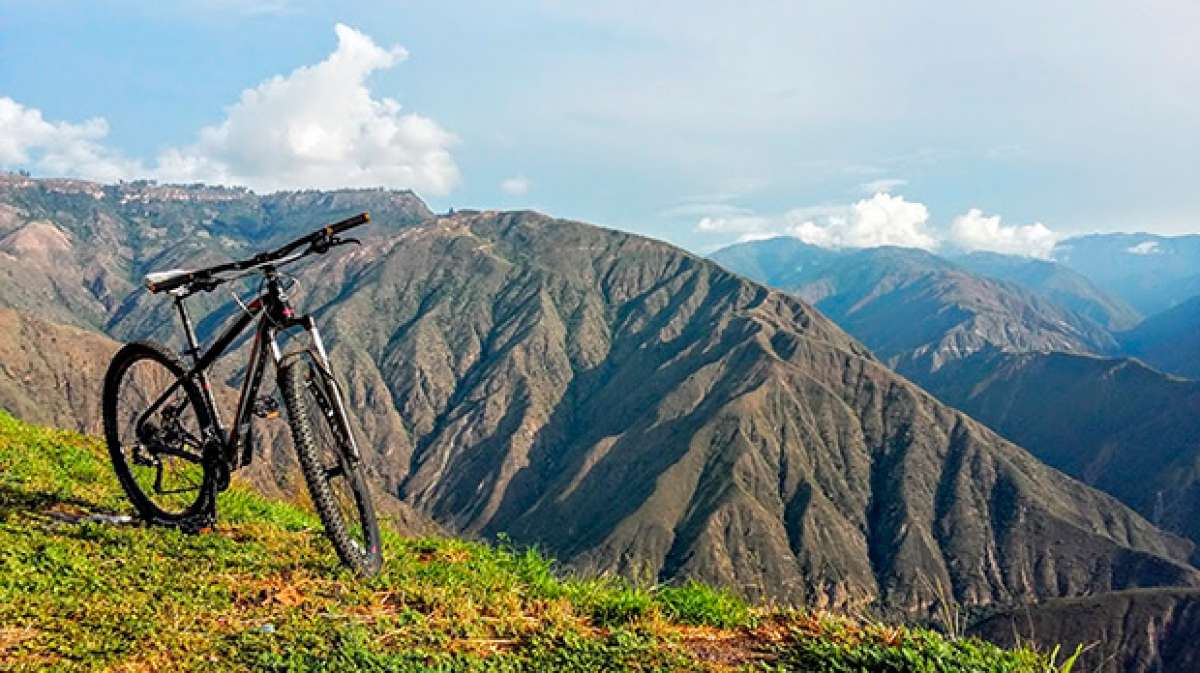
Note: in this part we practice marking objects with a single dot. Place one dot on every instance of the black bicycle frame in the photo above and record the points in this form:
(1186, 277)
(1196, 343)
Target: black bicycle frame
(274, 316)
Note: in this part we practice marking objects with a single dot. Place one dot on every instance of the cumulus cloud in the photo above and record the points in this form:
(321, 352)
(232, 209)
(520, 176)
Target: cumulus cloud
(1145, 248)
(57, 148)
(880, 220)
(517, 185)
(317, 127)
(976, 231)
(883, 219)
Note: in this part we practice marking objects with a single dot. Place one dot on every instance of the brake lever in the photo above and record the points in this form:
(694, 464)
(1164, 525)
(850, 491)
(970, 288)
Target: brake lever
(323, 245)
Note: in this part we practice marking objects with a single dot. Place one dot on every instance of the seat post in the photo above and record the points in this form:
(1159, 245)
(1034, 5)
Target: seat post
(193, 346)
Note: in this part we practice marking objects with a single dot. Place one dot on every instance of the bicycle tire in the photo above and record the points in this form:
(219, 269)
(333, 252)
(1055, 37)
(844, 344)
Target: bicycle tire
(201, 512)
(298, 380)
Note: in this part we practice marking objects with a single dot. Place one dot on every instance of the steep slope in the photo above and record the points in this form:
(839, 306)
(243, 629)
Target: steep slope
(1057, 283)
(1123, 427)
(917, 311)
(1169, 340)
(51, 373)
(1151, 272)
(1143, 631)
(637, 409)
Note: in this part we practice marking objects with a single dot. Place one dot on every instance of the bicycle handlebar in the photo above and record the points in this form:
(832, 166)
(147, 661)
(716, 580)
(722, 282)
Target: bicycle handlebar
(318, 241)
(326, 234)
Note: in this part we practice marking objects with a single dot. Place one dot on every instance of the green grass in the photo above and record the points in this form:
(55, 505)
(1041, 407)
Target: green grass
(263, 591)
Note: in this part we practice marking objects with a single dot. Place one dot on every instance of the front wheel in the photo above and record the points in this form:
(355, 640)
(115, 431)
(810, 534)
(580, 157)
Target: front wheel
(335, 479)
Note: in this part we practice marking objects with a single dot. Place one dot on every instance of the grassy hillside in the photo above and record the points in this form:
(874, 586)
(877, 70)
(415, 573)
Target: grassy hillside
(263, 591)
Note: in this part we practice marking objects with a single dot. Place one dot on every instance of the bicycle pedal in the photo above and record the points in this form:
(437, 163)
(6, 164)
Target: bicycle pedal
(266, 407)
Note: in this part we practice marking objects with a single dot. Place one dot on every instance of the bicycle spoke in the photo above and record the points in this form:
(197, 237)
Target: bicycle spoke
(163, 453)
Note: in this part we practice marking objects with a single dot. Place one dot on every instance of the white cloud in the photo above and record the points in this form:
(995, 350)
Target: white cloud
(1145, 248)
(976, 231)
(57, 148)
(317, 127)
(517, 185)
(885, 185)
(882, 219)
(737, 224)
(756, 236)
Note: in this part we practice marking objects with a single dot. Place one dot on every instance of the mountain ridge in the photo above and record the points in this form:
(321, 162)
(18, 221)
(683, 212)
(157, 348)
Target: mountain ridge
(1150, 271)
(1115, 423)
(1169, 340)
(513, 372)
(918, 311)
(1139, 631)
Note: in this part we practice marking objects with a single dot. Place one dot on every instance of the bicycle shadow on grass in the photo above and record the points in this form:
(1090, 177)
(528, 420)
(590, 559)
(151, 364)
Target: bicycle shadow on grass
(50, 505)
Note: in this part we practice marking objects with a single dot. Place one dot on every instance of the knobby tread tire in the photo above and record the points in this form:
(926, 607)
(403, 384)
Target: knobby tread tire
(293, 372)
(202, 513)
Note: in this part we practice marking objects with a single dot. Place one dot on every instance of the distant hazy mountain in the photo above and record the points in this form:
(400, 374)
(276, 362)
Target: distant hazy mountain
(1057, 283)
(1117, 424)
(1169, 340)
(1151, 272)
(1140, 631)
(918, 311)
(783, 262)
(627, 405)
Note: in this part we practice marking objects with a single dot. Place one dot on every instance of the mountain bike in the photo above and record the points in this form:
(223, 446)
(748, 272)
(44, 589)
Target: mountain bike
(169, 447)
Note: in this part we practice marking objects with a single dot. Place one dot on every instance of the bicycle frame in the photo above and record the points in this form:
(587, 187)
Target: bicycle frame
(275, 316)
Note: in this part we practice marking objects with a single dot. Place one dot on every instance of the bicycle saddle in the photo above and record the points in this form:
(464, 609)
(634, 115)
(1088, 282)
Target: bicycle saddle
(162, 280)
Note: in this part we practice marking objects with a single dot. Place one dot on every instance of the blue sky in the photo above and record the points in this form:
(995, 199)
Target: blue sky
(999, 125)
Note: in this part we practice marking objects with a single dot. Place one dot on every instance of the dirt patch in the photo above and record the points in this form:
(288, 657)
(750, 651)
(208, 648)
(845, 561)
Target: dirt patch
(725, 647)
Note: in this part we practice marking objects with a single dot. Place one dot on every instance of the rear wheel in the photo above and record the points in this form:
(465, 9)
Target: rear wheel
(335, 480)
(160, 459)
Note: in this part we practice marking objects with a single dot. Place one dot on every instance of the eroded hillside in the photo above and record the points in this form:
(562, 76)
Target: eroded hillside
(637, 409)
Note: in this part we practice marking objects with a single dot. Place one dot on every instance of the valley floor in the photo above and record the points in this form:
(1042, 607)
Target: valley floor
(263, 591)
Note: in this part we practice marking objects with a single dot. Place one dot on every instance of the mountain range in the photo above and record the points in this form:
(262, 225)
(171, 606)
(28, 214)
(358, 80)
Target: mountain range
(629, 406)
(1169, 340)
(1151, 272)
(918, 311)
(1095, 408)
(1114, 423)
(1057, 283)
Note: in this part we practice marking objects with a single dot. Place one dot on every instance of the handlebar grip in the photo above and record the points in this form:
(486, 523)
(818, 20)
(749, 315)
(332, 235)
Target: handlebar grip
(348, 223)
